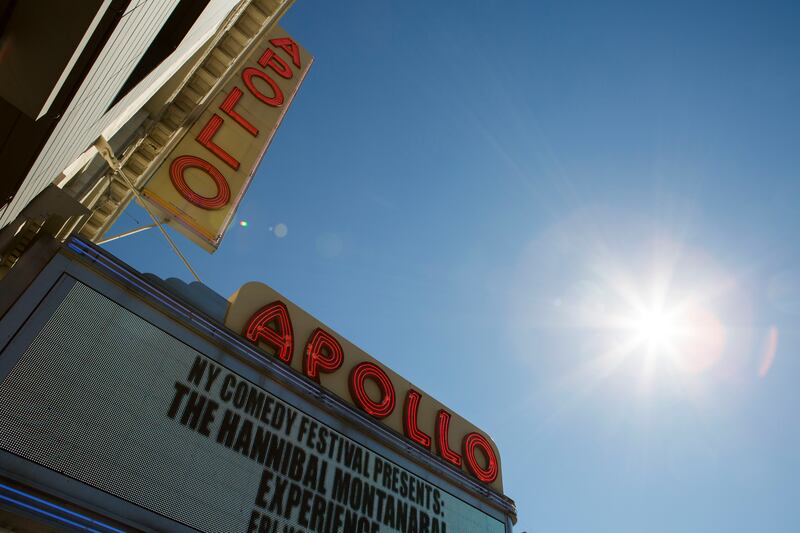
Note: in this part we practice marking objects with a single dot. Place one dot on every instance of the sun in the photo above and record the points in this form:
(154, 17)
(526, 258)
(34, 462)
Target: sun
(656, 328)
(635, 301)
(668, 328)
(686, 335)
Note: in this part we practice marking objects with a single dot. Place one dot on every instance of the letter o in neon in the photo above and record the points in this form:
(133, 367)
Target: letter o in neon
(176, 175)
(247, 77)
(471, 443)
(358, 377)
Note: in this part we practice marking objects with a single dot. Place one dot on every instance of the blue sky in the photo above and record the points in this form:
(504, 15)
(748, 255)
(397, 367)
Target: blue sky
(509, 192)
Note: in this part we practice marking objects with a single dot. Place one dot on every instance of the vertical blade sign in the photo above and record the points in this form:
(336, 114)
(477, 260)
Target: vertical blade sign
(201, 182)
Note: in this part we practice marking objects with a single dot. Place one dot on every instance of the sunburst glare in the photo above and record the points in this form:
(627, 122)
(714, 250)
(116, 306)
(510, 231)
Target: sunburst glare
(649, 310)
(687, 334)
(656, 328)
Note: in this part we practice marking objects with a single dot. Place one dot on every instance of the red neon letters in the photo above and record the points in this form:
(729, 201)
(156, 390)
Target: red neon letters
(323, 353)
(205, 138)
(275, 63)
(229, 107)
(471, 443)
(276, 100)
(442, 437)
(410, 427)
(290, 47)
(177, 175)
(358, 377)
(271, 324)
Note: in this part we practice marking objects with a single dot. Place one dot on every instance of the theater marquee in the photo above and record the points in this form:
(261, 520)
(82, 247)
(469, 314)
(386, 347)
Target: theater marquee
(104, 396)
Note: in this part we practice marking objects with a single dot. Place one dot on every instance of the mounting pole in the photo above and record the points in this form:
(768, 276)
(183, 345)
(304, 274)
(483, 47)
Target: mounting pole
(105, 150)
(127, 233)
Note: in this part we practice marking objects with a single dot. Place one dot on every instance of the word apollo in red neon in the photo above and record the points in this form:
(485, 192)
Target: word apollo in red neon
(271, 64)
(272, 326)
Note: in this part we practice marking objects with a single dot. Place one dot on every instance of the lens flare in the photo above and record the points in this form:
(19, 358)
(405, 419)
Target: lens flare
(768, 352)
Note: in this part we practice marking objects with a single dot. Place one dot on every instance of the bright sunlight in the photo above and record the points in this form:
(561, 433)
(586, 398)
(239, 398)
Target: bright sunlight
(656, 328)
(686, 333)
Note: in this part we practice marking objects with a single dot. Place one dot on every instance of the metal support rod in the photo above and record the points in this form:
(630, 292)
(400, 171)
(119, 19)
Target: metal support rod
(143, 203)
(107, 153)
(127, 233)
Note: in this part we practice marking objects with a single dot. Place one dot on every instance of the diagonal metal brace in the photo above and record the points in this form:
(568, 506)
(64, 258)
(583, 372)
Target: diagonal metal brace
(107, 153)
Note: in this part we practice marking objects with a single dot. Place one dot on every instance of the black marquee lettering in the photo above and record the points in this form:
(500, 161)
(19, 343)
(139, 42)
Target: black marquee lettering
(244, 438)
(225, 394)
(180, 392)
(368, 492)
(208, 417)
(424, 523)
(227, 430)
(317, 519)
(293, 499)
(213, 372)
(252, 524)
(263, 488)
(193, 409)
(198, 370)
(276, 505)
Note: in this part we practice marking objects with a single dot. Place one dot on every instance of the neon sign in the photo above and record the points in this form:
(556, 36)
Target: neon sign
(342, 368)
(204, 176)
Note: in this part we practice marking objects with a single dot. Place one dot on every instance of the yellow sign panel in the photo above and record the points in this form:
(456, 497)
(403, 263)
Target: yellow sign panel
(199, 185)
(284, 331)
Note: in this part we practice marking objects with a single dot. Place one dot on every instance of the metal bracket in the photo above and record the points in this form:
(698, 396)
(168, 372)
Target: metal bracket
(107, 153)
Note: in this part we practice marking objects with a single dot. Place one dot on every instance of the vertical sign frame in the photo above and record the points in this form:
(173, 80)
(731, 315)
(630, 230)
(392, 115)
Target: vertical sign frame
(199, 185)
